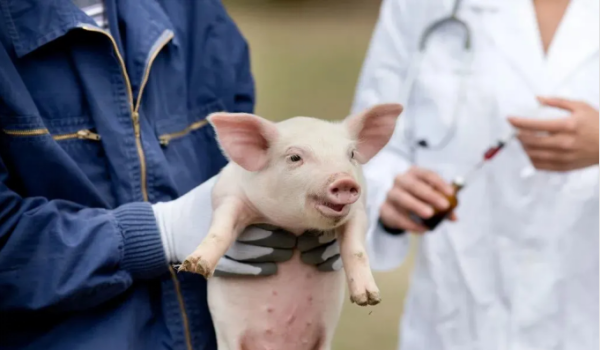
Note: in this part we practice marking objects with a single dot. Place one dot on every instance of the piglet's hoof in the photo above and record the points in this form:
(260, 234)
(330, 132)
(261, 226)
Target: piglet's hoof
(196, 265)
(367, 298)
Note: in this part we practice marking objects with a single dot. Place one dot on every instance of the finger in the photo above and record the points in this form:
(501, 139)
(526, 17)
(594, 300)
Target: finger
(230, 268)
(320, 254)
(405, 201)
(399, 219)
(548, 160)
(418, 197)
(453, 217)
(550, 166)
(332, 264)
(259, 236)
(562, 103)
(558, 142)
(434, 180)
(547, 125)
(249, 253)
(312, 239)
(546, 156)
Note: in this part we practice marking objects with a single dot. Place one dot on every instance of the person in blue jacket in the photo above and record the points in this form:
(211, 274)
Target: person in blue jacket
(104, 154)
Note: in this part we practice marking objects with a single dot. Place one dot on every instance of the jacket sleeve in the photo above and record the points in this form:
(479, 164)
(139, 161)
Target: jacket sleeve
(381, 81)
(58, 256)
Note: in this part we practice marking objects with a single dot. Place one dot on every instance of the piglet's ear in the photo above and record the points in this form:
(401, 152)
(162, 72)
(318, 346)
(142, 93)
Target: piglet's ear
(244, 138)
(373, 129)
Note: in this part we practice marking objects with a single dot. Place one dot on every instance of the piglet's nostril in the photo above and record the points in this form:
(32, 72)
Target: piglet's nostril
(344, 191)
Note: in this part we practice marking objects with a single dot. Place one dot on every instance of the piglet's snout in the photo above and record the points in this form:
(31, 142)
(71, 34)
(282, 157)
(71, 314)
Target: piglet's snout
(343, 191)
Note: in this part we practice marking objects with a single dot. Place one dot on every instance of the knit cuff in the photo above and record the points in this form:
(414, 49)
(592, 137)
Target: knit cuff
(143, 252)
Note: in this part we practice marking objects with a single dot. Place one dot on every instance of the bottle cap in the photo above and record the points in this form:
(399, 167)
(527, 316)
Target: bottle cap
(459, 182)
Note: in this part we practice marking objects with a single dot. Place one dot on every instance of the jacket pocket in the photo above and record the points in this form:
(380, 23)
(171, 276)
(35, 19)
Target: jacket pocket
(190, 146)
(178, 127)
(74, 151)
(83, 134)
(165, 139)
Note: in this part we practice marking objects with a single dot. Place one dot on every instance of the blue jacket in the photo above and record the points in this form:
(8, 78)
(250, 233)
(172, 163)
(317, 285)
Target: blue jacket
(94, 128)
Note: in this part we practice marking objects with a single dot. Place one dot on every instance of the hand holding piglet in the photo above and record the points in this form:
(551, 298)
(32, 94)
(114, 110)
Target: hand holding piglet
(184, 222)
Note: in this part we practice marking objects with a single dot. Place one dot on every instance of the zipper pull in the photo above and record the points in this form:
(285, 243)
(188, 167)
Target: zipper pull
(136, 123)
(164, 141)
(88, 135)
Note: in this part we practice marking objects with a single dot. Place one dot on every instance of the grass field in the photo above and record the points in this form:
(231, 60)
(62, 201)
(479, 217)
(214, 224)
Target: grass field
(306, 60)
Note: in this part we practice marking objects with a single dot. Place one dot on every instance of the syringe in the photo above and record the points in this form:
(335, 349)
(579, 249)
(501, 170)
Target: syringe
(487, 155)
(458, 184)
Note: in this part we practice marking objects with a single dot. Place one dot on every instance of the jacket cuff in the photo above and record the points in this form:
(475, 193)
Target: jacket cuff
(143, 252)
(389, 230)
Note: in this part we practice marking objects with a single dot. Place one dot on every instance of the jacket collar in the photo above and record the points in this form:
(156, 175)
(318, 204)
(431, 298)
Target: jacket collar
(34, 23)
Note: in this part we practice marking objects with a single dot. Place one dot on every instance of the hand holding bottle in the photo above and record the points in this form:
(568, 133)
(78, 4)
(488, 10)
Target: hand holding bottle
(419, 192)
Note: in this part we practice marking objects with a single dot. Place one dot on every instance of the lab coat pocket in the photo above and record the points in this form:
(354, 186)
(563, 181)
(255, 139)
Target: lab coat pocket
(582, 184)
(451, 110)
(433, 103)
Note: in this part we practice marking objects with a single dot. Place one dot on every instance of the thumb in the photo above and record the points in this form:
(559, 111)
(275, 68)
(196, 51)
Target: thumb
(561, 103)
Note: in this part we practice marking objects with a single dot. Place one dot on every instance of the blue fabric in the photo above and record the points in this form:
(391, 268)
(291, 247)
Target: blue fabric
(81, 260)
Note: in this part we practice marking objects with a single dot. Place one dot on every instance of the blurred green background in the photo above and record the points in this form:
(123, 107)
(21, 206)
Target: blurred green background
(306, 58)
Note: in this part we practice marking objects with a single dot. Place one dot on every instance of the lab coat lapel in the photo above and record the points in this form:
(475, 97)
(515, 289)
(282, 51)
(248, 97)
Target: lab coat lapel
(576, 40)
(512, 27)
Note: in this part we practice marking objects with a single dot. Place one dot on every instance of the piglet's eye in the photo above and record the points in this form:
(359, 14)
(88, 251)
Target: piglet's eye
(295, 158)
(352, 154)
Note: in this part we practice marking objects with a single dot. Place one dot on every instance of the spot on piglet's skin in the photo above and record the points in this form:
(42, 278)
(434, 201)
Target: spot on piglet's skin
(291, 319)
(360, 256)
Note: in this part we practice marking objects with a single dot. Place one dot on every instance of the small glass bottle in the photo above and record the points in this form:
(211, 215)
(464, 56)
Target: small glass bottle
(440, 215)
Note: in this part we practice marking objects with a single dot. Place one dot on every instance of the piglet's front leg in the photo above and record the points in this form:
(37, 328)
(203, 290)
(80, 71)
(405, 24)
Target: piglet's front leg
(230, 217)
(363, 289)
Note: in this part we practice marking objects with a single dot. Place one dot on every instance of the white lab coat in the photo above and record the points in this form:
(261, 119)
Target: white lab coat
(519, 270)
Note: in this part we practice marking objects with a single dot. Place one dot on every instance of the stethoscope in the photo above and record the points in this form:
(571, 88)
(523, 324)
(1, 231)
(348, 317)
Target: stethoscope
(413, 72)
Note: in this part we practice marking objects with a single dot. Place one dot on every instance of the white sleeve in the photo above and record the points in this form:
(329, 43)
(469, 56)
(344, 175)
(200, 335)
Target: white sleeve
(380, 81)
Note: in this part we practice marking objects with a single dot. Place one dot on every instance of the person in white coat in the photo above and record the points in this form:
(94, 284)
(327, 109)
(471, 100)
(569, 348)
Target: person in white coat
(516, 267)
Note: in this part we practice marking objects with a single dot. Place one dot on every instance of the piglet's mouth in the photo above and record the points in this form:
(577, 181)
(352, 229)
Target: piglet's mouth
(329, 209)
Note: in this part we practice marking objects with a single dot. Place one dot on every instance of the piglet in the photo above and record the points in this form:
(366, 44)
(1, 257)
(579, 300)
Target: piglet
(300, 174)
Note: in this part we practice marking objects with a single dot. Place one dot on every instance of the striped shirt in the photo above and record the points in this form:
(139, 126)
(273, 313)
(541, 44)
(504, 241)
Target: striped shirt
(94, 9)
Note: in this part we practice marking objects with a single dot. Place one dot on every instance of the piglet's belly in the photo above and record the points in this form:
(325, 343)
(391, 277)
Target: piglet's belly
(298, 309)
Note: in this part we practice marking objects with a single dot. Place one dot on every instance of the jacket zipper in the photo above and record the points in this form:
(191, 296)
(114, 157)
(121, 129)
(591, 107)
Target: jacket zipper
(184, 317)
(135, 116)
(166, 138)
(31, 132)
(136, 113)
(81, 134)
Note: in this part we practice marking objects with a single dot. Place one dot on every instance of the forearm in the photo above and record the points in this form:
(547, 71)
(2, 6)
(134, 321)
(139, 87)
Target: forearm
(56, 255)
(387, 251)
